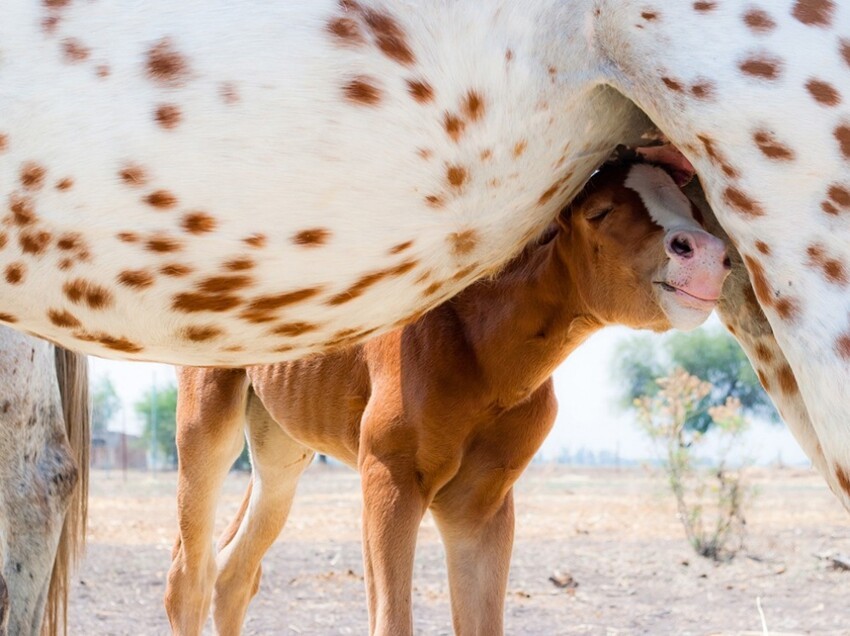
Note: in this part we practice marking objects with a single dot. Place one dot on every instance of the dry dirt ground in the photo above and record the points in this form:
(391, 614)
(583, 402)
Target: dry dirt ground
(614, 531)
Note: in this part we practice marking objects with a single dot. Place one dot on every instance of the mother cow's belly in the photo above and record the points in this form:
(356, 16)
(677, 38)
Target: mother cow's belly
(242, 182)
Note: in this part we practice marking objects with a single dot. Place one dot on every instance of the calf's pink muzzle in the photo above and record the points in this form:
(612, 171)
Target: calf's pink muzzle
(698, 266)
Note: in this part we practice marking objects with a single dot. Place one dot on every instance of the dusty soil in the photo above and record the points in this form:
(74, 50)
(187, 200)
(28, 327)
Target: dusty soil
(614, 531)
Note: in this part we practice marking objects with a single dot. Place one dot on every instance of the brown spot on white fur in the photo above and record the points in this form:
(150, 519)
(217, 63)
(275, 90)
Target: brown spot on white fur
(463, 242)
(228, 93)
(165, 65)
(175, 270)
(198, 333)
(32, 176)
(703, 90)
(823, 92)
(22, 210)
(81, 291)
(759, 21)
(255, 240)
(290, 329)
(473, 106)
(396, 249)
(314, 237)
(74, 51)
(843, 479)
(454, 126)
(260, 309)
(833, 269)
(239, 264)
(420, 90)
(717, 157)
(771, 147)
(133, 175)
(362, 90)
(63, 318)
(844, 47)
(198, 223)
(839, 195)
(842, 135)
(224, 284)
(116, 343)
(346, 31)
(737, 199)
(136, 278)
(362, 284)
(127, 237)
(434, 200)
(70, 241)
(168, 116)
(787, 381)
(161, 199)
(15, 273)
(191, 302)
(817, 13)
(456, 176)
(672, 84)
(389, 36)
(762, 66)
(162, 243)
(34, 242)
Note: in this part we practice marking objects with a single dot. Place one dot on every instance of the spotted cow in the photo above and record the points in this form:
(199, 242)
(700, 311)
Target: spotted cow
(226, 182)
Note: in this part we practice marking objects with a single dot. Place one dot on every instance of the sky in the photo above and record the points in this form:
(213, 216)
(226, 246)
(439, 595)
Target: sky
(588, 416)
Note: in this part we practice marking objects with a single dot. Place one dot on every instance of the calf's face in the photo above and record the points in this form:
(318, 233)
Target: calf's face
(638, 253)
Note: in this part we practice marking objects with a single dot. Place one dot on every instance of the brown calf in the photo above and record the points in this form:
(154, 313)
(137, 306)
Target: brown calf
(444, 414)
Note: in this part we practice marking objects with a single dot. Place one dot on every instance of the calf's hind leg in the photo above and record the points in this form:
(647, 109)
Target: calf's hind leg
(277, 463)
(210, 425)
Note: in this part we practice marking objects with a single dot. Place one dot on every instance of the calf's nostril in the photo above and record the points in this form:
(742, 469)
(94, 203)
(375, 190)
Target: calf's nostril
(727, 263)
(681, 247)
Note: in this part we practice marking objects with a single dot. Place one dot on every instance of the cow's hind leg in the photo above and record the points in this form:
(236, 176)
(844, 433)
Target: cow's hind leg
(210, 425)
(277, 461)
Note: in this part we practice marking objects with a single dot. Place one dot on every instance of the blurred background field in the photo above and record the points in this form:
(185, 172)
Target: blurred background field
(613, 532)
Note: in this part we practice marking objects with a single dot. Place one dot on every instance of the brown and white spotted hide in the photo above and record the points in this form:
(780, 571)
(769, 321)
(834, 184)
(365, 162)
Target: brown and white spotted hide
(231, 182)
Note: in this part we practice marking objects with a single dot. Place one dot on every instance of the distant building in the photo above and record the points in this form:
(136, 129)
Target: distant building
(115, 450)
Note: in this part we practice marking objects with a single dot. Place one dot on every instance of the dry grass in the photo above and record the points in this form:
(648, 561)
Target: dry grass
(614, 531)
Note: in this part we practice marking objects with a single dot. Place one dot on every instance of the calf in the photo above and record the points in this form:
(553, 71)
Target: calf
(444, 414)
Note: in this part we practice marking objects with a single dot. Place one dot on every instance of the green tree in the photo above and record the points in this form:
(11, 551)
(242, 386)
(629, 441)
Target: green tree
(105, 404)
(165, 404)
(710, 354)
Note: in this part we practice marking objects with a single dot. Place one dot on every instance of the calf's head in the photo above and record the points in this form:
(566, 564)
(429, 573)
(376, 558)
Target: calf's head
(637, 253)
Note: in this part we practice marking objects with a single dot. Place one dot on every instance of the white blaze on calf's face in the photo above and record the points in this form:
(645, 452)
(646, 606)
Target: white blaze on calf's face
(690, 282)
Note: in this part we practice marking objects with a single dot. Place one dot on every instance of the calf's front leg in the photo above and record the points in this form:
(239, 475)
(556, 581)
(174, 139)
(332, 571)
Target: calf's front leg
(393, 506)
